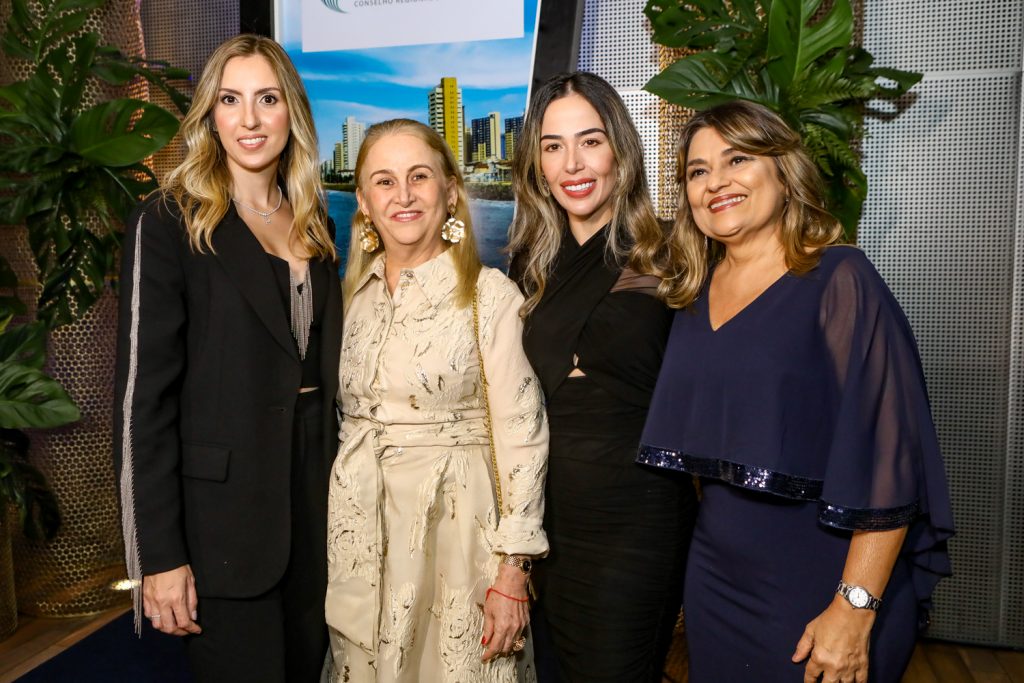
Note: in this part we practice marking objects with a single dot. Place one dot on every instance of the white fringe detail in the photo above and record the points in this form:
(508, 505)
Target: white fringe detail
(131, 541)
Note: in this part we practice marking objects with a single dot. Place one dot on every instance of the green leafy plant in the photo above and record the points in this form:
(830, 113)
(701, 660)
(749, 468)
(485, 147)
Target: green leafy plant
(792, 56)
(28, 399)
(66, 167)
(68, 173)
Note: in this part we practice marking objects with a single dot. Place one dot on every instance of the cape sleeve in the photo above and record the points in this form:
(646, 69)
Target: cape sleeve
(884, 468)
(518, 419)
(150, 364)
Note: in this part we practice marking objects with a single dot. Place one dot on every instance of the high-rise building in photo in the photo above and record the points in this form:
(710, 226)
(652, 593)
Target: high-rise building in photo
(480, 134)
(339, 157)
(444, 105)
(467, 142)
(513, 129)
(353, 133)
(486, 137)
(494, 135)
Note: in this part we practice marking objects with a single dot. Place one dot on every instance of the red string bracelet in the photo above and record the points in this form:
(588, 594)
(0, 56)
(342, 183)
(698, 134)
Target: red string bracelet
(492, 589)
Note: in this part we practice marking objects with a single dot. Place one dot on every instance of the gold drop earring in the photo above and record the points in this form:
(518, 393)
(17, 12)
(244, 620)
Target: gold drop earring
(454, 229)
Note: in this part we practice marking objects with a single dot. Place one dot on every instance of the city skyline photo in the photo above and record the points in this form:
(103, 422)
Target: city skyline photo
(376, 84)
(474, 93)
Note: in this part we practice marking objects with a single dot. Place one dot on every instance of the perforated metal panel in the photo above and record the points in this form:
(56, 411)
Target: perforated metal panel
(944, 35)
(615, 44)
(942, 236)
(1012, 608)
(943, 225)
(184, 33)
(643, 107)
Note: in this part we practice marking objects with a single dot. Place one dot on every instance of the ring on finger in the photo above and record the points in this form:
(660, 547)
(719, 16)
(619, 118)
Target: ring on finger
(519, 644)
(152, 616)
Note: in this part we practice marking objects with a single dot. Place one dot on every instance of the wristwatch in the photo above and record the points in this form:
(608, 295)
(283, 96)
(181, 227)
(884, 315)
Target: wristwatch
(858, 596)
(524, 563)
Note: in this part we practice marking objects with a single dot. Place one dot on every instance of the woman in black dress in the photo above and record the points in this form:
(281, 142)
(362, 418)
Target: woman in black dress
(793, 387)
(586, 245)
(229, 337)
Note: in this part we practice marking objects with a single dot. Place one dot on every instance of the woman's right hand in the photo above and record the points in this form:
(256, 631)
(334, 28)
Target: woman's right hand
(506, 613)
(169, 601)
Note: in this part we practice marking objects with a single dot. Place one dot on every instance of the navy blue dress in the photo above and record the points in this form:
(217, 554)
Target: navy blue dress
(806, 417)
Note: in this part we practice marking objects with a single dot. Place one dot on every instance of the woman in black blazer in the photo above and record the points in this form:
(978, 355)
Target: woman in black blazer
(227, 372)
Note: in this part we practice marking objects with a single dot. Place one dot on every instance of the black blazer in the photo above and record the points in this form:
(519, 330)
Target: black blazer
(207, 378)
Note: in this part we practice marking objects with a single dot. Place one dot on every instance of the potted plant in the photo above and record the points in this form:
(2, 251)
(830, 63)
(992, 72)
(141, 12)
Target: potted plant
(28, 399)
(68, 167)
(794, 57)
(73, 166)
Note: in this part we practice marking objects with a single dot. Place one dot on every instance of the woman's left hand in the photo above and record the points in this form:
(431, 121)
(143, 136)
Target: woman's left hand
(837, 641)
(505, 618)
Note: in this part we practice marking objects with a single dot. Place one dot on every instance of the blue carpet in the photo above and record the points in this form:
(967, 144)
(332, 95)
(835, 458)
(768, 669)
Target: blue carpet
(114, 654)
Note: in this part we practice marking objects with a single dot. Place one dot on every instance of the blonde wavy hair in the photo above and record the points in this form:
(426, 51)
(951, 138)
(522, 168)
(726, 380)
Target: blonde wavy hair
(635, 238)
(807, 226)
(201, 184)
(464, 254)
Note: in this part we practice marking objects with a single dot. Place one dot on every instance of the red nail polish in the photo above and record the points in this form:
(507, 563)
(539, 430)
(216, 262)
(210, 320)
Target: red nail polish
(483, 641)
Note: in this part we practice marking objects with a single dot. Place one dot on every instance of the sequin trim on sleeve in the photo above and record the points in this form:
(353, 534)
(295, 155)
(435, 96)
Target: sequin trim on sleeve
(867, 519)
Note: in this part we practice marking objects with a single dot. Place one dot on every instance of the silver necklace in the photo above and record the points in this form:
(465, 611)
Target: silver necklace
(265, 215)
(301, 309)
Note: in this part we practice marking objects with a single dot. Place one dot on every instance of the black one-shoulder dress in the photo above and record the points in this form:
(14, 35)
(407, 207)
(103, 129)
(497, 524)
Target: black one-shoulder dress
(610, 589)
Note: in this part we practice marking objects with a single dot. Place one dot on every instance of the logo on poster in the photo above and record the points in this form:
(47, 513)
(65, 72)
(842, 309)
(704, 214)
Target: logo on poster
(329, 25)
(346, 6)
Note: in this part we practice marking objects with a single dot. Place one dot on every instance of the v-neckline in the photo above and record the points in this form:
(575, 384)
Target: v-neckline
(748, 305)
(579, 246)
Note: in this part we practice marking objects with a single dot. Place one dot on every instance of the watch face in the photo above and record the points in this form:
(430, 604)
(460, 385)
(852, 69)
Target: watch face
(858, 597)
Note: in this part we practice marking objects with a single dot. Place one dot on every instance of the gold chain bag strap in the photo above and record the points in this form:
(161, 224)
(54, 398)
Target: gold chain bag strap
(531, 591)
(487, 401)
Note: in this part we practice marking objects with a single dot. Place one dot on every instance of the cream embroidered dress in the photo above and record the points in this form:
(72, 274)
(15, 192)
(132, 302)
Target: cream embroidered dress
(413, 536)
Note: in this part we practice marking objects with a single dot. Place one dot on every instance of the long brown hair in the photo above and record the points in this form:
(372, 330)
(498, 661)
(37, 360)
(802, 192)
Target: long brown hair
(807, 226)
(201, 184)
(464, 253)
(635, 237)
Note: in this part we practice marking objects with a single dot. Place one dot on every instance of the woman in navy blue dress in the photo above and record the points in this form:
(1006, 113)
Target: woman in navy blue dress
(792, 387)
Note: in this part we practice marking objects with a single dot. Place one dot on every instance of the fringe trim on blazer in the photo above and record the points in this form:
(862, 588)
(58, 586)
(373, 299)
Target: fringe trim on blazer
(131, 542)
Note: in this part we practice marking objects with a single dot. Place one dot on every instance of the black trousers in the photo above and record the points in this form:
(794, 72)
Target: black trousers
(282, 634)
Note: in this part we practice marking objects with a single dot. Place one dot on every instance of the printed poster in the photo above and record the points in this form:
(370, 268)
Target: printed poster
(462, 67)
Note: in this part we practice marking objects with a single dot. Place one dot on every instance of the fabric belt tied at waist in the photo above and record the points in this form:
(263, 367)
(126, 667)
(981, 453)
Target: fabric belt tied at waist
(355, 533)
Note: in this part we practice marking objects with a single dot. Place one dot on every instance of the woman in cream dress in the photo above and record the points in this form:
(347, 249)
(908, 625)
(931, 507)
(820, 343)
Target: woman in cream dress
(426, 580)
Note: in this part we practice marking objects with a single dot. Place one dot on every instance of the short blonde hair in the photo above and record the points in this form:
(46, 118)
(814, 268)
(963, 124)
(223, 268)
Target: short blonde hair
(464, 253)
(806, 225)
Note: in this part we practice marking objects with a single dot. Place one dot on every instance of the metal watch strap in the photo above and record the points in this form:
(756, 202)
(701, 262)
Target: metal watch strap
(525, 564)
(858, 594)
